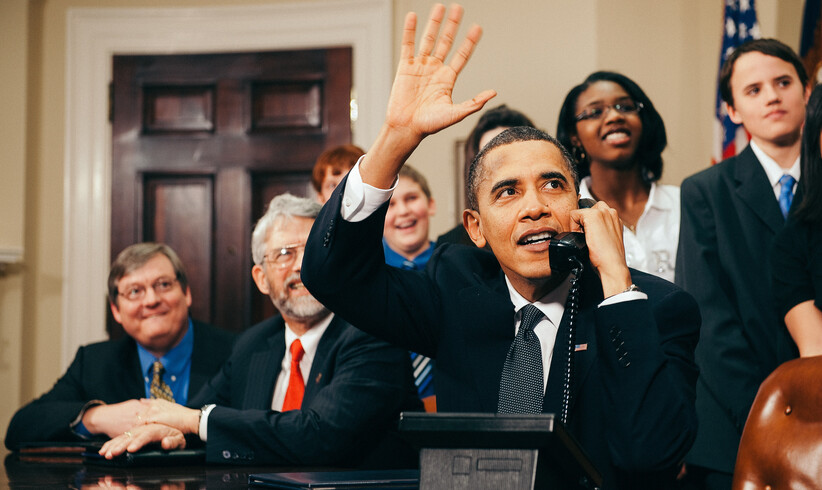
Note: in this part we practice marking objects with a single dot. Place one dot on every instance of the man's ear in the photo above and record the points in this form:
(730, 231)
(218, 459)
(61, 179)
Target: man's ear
(735, 117)
(472, 221)
(258, 274)
(115, 311)
(432, 206)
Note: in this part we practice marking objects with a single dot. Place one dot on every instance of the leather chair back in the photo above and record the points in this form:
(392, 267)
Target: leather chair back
(781, 444)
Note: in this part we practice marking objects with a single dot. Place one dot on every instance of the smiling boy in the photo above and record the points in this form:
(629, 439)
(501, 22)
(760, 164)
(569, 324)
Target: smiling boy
(730, 214)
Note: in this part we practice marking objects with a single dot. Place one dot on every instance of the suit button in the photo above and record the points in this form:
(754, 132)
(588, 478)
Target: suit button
(226, 454)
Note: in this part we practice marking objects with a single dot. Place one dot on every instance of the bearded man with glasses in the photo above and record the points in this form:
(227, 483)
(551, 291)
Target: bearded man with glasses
(301, 388)
(165, 354)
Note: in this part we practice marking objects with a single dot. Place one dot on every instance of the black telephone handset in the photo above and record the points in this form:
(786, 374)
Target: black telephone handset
(568, 252)
(565, 249)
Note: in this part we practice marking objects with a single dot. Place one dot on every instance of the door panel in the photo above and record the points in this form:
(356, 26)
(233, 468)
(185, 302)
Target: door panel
(179, 210)
(200, 145)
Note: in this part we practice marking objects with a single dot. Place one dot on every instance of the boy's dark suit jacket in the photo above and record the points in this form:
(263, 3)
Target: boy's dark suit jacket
(729, 218)
(109, 372)
(634, 392)
(357, 387)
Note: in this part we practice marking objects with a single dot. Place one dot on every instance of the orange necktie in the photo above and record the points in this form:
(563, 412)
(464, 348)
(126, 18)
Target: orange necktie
(296, 385)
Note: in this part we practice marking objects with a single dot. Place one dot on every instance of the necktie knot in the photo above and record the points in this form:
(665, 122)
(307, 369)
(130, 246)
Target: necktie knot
(786, 193)
(296, 351)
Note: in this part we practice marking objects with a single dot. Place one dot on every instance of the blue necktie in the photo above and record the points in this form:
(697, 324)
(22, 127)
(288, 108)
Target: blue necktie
(522, 386)
(786, 193)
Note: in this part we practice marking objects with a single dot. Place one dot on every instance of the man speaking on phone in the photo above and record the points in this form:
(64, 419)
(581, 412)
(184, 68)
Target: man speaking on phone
(495, 321)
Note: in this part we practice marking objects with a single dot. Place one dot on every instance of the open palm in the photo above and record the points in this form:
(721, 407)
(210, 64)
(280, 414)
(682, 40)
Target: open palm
(420, 100)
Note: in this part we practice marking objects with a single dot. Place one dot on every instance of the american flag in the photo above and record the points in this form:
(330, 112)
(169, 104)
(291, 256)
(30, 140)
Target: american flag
(740, 26)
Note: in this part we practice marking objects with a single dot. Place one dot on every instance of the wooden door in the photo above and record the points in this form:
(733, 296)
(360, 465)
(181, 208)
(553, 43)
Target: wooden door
(201, 143)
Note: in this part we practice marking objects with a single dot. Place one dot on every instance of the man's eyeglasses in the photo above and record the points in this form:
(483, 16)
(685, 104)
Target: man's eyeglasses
(136, 292)
(598, 112)
(284, 257)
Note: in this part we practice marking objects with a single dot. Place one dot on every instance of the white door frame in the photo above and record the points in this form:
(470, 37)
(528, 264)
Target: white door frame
(95, 35)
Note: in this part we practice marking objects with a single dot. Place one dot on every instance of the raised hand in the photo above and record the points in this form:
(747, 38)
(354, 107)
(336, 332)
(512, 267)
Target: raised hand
(420, 103)
(421, 95)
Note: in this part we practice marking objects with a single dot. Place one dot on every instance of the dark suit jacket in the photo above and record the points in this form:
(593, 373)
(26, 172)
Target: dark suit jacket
(729, 217)
(634, 391)
(109, 372)
(356, 390)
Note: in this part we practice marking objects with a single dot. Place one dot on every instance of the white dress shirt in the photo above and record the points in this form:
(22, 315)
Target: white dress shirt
(652, 246)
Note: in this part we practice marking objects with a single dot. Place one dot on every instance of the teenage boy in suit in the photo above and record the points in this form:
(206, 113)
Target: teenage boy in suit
(730, 214)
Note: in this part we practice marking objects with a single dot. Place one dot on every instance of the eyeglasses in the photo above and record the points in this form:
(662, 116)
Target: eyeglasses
(137, 292)
(598, 112)
(285, 256)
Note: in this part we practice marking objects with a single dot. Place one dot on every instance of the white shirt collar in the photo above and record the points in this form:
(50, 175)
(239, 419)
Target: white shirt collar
(772, 169)
(309, 340)
(552, 305)
(656, 200)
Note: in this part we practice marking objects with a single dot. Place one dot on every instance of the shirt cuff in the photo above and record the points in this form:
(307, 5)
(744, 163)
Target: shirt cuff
(360, 200)
(623, 297)
(77, 425)
(202, 431)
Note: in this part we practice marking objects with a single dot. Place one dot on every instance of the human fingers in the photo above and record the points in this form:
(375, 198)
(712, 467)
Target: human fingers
(449, 33)
(466, 48)
(429, 35)
(408, 33)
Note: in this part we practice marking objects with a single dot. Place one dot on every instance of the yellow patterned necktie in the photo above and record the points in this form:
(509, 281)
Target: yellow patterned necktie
(159, 388)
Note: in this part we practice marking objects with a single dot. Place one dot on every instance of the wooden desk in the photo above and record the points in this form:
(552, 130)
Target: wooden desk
(26, 475)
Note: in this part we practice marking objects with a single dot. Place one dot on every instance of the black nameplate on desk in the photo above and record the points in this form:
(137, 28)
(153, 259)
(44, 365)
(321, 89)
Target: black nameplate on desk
(496, 452)
(330, 480)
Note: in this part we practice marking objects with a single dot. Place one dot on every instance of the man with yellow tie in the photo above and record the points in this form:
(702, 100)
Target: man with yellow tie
(165, 355)
(301, 388)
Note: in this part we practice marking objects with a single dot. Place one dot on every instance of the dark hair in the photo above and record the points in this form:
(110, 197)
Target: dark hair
(651, 144)
(340, 159)
(498, 117)
(135, 256)
(512, 135)
(770, 47)
(810, 207)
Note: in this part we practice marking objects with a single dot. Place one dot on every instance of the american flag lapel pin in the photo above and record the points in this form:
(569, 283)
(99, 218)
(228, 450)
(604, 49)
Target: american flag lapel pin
(580, 347)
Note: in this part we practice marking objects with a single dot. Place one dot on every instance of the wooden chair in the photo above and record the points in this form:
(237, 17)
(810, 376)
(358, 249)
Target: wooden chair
(781, 444)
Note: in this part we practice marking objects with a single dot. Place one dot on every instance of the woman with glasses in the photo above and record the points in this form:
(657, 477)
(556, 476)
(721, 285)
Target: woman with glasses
(796, 254)
(617, 137)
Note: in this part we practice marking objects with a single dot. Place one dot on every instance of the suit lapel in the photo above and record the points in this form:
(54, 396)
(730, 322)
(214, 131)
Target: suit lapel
(590, 294)
(198, 376)
(754, 189)
(318, 377)
(132, 371)
(489, 322)
(263, 369)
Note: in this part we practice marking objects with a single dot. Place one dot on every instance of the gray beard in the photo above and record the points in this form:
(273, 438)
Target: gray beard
(303, 308)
